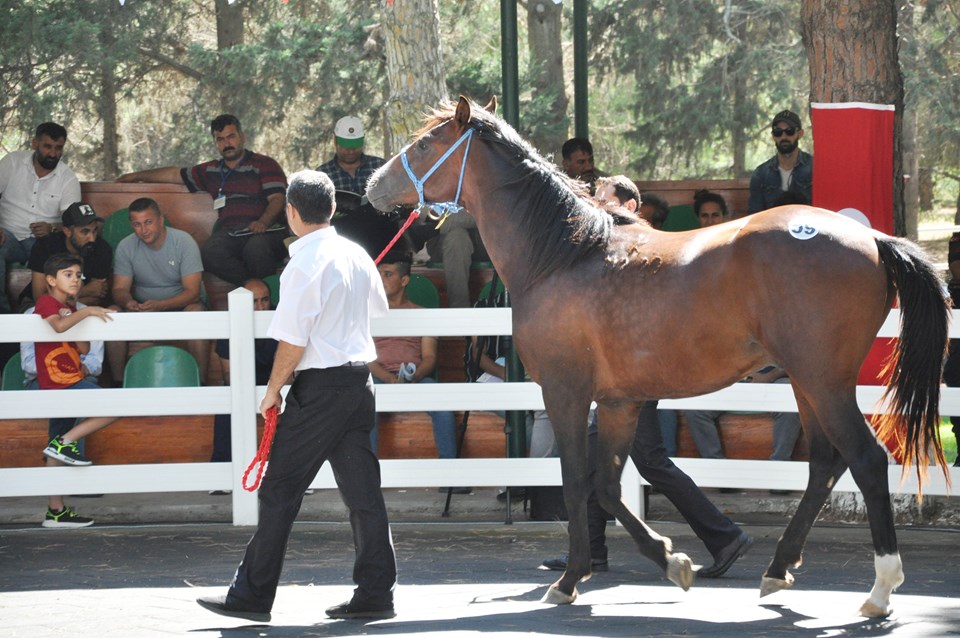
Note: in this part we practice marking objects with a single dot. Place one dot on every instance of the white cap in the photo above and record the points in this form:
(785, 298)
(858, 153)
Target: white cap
(349, 131)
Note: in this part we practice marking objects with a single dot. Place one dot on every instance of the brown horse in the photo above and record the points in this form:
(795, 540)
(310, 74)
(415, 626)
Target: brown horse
(620, 313)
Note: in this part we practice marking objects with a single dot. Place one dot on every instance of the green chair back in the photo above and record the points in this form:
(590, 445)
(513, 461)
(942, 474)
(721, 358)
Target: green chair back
(422, 292)
(485, 291)
(161, 367)
(681, 218)
(117, 226)
(273, 283)
(12, 374)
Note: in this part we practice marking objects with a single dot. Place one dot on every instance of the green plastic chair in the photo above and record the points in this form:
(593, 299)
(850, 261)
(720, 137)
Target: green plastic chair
(681, 218)
(422, 292)
(485, 291)
(117, 226)
(273, 283)
(161, 367)
(12, 374)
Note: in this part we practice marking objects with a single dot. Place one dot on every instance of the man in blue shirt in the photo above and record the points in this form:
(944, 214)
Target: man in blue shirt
(350, 167)
(790, 170)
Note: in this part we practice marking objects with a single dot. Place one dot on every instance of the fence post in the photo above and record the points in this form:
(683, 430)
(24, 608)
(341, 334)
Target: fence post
(243, 402)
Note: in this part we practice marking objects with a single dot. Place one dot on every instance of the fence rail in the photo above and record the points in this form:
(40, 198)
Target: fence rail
(240, 325)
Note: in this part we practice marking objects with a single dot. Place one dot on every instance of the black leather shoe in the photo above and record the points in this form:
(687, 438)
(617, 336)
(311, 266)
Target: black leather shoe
(559, 564)
(727, 557)
(229, 606)
(356, 609)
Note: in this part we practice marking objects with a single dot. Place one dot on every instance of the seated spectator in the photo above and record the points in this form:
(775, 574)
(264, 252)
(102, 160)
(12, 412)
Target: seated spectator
(79, 235)
(654, 209)
(577, 162)
(457, 244)
(249, 193)
(35, 188)
(710, 208)
(264, 351)
(410, 359)
(60, 367)
(791, 197)
(156, 269)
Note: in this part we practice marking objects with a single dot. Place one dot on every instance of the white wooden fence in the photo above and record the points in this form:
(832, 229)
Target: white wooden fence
(240, 324)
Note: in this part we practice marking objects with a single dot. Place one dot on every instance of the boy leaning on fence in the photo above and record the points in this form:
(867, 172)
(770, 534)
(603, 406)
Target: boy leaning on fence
(59, 367)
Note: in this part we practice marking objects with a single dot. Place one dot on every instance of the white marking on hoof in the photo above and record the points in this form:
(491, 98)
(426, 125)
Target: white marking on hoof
(556, 597)
(772, 585)
(889, 572)
(680, 570)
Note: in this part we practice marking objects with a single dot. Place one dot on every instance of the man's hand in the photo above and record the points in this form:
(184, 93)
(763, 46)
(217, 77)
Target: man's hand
(257, 227)
(129, 177)
(271, 399)
(151, 305)
(41, 229)
(132, 306)
(96, 288)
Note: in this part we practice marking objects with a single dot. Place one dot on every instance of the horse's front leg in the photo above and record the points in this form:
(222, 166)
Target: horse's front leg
(568, 412)
(611, 450)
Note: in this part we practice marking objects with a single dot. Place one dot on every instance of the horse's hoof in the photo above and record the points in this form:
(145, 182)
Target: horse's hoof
(770, 585)
(556, 597)
(870, 610)
(680, 570)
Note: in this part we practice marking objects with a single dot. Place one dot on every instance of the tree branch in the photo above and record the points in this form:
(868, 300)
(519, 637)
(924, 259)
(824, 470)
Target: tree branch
(167, 60)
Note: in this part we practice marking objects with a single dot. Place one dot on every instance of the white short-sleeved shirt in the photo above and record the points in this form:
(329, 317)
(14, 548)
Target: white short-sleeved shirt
(26, 198)
(157, 273)
(328, 293)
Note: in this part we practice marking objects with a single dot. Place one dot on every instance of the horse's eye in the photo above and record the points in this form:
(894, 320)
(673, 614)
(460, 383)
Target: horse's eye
(421, 145)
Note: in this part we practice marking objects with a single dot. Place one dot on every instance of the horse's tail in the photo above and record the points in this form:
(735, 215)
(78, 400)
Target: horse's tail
(916, 364)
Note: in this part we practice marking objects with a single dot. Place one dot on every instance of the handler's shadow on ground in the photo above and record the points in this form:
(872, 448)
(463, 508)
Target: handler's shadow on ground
(712, 614)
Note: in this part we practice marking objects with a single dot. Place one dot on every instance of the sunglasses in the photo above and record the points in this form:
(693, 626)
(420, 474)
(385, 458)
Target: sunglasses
(789, 131)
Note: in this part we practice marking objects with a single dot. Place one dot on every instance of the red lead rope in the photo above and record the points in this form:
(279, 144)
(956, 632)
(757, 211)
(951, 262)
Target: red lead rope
(413, 216)
(263, 453)
(270, 425)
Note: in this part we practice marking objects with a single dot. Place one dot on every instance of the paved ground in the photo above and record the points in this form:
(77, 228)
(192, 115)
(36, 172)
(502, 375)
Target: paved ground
(460, 578)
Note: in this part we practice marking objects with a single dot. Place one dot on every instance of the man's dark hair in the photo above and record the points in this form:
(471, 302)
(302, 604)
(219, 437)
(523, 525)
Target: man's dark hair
(660, 208)
(703, 196)
(60, 261)
(142, 204)
(623, 188)
(52, 130)
(223, 121)
(402, 259)
(790, 197)
(576, 144)
(312, 194)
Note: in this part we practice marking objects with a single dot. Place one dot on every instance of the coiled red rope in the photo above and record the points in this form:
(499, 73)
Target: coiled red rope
(263, 453)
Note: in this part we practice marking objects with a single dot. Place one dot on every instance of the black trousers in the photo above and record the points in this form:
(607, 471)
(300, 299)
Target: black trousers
(237, 259)
(329, 415)
(710, 525)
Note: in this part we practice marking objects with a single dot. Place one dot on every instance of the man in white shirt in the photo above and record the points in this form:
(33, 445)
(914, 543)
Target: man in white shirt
(35, 189)
(329, 291)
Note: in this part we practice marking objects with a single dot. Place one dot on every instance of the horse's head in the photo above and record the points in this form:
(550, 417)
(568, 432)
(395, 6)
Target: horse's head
(430, 168)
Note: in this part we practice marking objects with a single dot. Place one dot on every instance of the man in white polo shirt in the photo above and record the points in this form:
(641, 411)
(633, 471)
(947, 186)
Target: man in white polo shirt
(35, 189)
(329, 291)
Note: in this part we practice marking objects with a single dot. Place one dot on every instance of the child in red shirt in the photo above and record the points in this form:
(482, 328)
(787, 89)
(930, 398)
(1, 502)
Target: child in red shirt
(59, 367)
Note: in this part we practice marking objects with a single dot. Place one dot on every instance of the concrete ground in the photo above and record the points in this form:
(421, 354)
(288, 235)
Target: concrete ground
(466, 575)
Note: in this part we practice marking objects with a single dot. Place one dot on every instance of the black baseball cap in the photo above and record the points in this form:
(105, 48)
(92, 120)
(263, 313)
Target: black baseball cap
(789, 117)
(79, 214)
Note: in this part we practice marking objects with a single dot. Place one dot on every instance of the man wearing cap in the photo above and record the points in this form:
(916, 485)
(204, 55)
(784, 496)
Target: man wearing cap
(790, 170)
(80, 236)
(35, 188)
(350, 167)
(248, 191)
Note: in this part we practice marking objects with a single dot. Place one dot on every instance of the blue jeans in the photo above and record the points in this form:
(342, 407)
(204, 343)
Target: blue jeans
(12, 249)
(444, 429)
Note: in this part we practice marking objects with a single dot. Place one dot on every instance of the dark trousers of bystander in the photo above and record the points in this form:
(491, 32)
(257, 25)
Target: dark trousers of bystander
(710, 525)
(237, 259)
(328, 416)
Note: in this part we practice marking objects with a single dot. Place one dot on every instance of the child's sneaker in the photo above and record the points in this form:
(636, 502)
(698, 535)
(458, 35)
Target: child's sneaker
(66, 518)
(66, 452)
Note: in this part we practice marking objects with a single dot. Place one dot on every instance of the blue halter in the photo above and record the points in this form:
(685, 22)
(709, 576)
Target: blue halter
(439, 209)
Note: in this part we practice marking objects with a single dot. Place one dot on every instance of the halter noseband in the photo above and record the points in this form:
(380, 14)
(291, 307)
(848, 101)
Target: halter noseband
(439, 209)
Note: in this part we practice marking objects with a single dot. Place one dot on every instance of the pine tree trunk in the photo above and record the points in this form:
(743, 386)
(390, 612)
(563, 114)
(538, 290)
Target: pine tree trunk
(852, 51)
(546, 62)
(229, 34)
(415, 71)
(107, 104)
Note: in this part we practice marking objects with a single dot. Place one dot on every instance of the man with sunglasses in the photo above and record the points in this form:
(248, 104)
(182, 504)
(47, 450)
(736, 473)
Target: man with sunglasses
(790, 170)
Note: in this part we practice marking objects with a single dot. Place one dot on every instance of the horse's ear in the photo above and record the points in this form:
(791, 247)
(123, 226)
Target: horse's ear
(462, 115)
(492, 105)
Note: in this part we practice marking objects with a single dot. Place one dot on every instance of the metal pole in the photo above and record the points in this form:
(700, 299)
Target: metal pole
(580, 100)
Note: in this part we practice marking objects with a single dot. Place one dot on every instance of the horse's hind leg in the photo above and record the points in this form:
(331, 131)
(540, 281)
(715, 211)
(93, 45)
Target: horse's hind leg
(615, 438)
(568, 412)
(825, 468)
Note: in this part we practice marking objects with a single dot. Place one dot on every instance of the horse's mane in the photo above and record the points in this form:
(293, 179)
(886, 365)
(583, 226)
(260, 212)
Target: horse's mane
(555, 213)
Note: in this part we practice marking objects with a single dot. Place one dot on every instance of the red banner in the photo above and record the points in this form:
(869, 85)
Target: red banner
(853, 159)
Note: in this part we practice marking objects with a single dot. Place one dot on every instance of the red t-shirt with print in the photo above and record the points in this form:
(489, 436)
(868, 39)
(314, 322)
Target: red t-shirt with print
(58, 363)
